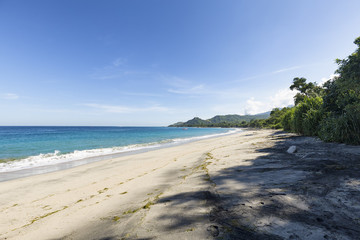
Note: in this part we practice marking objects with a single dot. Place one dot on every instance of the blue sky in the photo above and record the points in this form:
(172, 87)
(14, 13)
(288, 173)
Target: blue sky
(152, 63)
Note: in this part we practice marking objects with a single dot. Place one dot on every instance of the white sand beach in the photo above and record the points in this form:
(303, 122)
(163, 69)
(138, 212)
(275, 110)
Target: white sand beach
(228, 186)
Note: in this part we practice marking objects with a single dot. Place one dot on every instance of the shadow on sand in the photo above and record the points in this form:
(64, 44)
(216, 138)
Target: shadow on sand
(312, 194)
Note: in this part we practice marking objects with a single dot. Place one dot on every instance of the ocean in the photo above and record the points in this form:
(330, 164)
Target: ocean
(24, 148)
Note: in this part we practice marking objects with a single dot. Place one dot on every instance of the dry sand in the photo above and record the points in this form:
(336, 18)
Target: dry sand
(242, 186)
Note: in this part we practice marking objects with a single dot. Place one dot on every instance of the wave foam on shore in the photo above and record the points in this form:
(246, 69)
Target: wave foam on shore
(57, 157)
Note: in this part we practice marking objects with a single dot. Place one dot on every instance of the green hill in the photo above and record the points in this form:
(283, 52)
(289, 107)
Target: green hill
(221, 120)
(234, 118)
(195, 122)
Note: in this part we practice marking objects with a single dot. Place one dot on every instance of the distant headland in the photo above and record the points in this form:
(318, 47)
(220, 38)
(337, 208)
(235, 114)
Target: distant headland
(231, 120)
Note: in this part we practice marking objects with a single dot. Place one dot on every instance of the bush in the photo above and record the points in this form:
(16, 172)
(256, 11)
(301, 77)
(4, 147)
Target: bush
(257, 123)
(344, 128)
(275, 119)
(352, 114)
(311, 122)
(330, 130)
(277, 126)
(287, 121)
(307, 116)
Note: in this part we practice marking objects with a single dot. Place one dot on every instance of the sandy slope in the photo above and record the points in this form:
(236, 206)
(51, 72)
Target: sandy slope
(242, 186)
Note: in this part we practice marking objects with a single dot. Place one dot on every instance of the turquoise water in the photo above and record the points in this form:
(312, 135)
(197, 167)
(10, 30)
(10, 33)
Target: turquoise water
(27, 147)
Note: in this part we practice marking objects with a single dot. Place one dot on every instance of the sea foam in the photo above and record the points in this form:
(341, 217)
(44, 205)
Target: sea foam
(57, 157)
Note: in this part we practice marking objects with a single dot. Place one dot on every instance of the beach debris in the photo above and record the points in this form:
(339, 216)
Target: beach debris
(292, 149)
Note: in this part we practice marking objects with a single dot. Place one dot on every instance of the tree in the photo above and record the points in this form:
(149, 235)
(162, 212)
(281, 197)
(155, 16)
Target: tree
(342, 102)
(305, 89)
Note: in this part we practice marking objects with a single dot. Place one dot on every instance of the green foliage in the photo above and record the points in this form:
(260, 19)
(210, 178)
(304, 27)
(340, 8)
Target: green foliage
(331, 94)
(342, 128)
(222, 121)
(234, 118)
(257, 123)
(276, 118)
(307, 116)
(342, 102)
(311, 122)
(274, 121)
(331, 112)
(331, 129)
(197, 122)
(346, 88)
(305, 89)
(287, 121)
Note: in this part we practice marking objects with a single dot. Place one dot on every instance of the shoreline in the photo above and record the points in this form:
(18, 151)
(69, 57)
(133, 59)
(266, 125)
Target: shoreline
(26, 172)
(240, 186)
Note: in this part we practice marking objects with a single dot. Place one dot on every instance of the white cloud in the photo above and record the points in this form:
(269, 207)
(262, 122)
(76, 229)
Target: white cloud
(125, 109)
(254, 107)
(9, 96)
(286, 69)
(324, 80)
(283, 98)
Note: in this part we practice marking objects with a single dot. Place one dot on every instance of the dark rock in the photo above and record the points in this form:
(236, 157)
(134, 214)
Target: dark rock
(214, 230)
